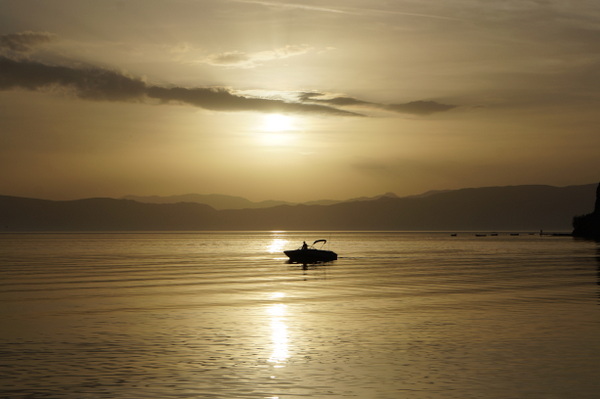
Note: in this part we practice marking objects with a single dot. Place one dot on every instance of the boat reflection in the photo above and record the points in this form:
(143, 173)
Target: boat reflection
(316, 271)
(279, 331)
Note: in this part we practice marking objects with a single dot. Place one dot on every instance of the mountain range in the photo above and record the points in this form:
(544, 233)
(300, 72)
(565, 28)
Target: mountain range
(510, 208)
(220, 201)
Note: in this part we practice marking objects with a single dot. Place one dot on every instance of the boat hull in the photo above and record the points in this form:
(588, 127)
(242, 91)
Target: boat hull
(310, 255)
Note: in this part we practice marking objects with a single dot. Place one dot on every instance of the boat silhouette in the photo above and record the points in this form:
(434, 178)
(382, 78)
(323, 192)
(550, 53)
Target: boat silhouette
(309, 254)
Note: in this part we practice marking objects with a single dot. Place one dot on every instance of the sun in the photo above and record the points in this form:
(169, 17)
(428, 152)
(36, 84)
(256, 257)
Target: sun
(277, 130)
(277, 123)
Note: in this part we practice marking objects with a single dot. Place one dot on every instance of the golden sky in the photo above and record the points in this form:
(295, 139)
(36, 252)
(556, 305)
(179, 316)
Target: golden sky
(296, 100)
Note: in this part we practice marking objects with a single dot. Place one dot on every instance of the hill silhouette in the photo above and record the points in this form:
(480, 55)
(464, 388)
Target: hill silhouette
(102, 214)
(588, 225)
(491, 208)
(220, 201)
(525, 208)
(217, 201)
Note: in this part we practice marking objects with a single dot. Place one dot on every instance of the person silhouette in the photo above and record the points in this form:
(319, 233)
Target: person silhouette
(304, 246)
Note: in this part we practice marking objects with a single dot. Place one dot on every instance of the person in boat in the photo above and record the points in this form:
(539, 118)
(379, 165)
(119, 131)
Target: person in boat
(304, 246)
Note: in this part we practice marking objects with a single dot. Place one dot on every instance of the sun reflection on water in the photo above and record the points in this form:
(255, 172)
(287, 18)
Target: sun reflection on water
(279, 331)
(277, 245)
(277, 295)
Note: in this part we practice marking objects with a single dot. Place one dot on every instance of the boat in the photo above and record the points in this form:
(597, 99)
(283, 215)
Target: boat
(310, 254)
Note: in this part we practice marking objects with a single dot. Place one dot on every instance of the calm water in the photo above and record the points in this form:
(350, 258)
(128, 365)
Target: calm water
(222, 315)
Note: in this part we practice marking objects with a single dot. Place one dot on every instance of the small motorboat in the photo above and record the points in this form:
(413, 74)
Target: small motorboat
(310, 254)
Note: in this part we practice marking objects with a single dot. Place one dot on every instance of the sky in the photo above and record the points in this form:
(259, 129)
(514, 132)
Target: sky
(296, 100)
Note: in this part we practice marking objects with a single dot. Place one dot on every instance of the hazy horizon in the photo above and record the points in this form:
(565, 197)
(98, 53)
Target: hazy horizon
(295, 101)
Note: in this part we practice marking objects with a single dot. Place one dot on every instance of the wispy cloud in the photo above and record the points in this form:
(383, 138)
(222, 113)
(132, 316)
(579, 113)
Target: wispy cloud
(241, 59)
(294, 6)
(375, 167)
(419, 107)
(24, 42)
(413, 107)
(345, 9)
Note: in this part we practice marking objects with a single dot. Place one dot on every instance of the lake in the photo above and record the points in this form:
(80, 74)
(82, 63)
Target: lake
(223, 315)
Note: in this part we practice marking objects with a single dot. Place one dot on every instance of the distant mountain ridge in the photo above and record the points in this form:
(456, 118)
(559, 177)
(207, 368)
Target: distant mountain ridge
(524, 208)
(217, 201)
(221, 201)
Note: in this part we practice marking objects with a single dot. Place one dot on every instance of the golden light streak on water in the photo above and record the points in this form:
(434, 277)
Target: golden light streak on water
(277, 246)
(279, 331)
(277, 295)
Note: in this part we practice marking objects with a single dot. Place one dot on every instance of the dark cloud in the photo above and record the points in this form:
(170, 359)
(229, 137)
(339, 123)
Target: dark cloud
(338, 101)
(218, 99)
(106, 85)
(24, 42)
(88, 83)
(413, 107)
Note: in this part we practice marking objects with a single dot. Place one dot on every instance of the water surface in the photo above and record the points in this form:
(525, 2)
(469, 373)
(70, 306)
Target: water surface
(222, 315)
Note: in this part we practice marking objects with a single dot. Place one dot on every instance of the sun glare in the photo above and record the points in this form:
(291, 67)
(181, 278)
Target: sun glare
(277, 130)
(277, 123)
